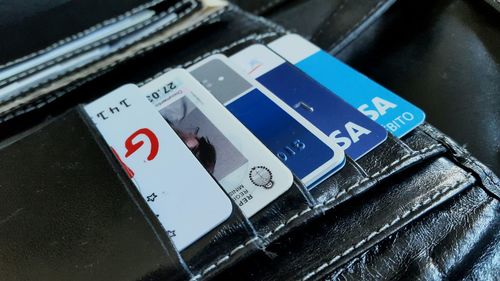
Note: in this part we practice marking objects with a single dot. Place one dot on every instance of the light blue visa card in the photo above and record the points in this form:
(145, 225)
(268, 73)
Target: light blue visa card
(397, 115)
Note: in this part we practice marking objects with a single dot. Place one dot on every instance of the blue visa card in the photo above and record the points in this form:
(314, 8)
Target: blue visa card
(396, 114)
(307, 152)
(350, 129)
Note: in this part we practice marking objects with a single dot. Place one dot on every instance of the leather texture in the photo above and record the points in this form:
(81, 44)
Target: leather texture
(420, 207)
(75, 215)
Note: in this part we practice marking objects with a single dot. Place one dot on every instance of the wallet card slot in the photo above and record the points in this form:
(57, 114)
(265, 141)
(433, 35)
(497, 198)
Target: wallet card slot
(94, 225)
(101, 41)
(359, 223)
(352, 180)
(443, 239)
(279, 218)
(403, 213)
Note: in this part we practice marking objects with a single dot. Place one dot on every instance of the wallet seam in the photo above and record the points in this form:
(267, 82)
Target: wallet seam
(428, 201)
(100, 42)
(83, 33)
(307, 210)
(328, 204)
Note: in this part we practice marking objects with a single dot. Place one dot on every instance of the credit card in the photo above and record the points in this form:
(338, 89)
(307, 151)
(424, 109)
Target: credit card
(350, 129)
(386, 108)
(187, 200)
(251, 175)
(307, 152)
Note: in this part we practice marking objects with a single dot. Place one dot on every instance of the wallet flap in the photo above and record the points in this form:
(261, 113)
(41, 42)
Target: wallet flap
(75, 215)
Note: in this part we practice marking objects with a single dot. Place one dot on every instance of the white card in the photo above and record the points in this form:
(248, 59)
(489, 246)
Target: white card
(245, 168)
(305, 150)
(187, 200)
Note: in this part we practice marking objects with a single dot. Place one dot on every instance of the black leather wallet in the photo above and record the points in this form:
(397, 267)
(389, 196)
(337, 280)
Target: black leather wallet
(417, 207)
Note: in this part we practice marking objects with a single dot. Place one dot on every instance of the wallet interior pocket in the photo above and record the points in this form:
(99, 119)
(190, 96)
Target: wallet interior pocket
(70, 211)
(84, 55)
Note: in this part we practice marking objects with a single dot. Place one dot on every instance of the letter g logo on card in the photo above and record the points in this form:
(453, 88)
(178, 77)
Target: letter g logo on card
(132, 146)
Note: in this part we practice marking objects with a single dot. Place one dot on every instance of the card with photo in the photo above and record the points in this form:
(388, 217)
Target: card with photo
(249, 173)
(186, 199)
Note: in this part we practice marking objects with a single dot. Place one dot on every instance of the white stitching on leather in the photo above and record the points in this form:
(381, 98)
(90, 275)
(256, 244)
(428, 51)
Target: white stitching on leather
(225, 258)
(23, 108)
(103, 41)
(384, 169)
(398, 218)
(359, 258)
(83, 33)
(308, 209)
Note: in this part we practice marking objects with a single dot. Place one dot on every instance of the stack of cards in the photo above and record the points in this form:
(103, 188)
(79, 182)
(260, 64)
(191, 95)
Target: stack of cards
(241, 128)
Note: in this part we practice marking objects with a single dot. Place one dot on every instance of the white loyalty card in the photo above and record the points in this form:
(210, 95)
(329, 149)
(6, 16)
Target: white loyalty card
(397, 115)
(306, 151)
(187, 200)
(251, 175)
